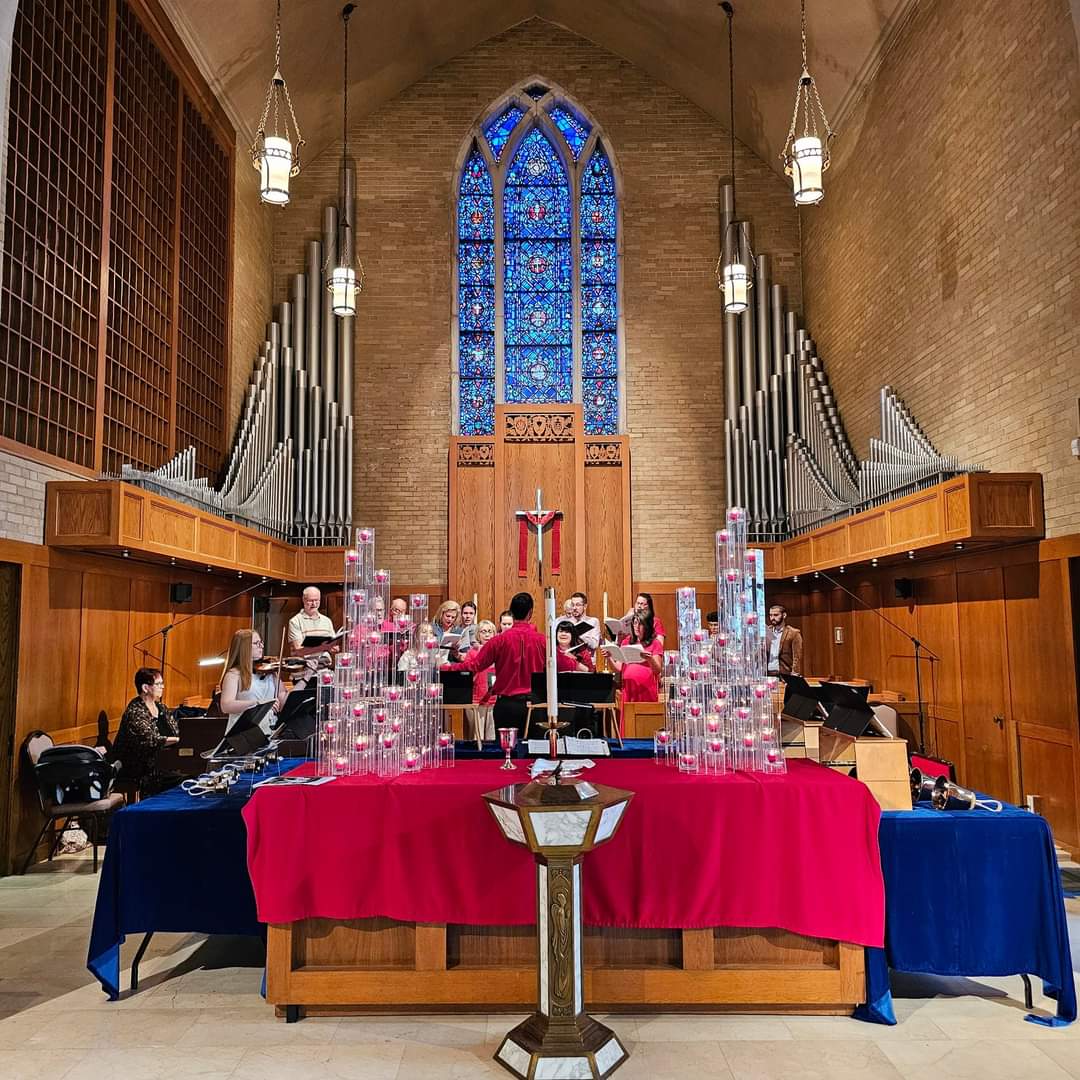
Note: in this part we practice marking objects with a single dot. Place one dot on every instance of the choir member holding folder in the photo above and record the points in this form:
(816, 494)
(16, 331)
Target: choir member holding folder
(638, 658)
(643, 605)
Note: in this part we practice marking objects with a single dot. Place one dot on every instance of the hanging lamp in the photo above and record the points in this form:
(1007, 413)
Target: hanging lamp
(806, 155)
(733, 276)
(277, 155)
(347, 277)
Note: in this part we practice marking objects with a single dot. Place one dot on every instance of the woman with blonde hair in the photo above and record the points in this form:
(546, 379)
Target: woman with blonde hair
(241, 687)
(483, 699)
(447, 618)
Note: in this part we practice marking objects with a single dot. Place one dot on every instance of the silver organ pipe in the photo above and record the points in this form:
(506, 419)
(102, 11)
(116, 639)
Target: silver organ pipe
(289, 469)
(788, 459)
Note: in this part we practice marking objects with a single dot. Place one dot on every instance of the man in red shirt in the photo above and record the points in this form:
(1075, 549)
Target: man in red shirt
(516, 654)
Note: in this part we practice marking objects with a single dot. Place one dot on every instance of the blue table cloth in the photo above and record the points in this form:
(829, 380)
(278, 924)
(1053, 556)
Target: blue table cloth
(971, 893)
(177, 864)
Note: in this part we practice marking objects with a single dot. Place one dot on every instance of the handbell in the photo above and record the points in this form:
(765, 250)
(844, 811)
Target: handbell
(922, 786)
(950, 796)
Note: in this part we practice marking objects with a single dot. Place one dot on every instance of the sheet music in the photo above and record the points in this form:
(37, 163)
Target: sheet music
(572, 746)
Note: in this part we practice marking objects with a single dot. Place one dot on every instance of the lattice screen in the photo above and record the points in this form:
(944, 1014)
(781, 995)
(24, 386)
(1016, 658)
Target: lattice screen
(50, 291)
(159, 362)
(138, 356)
(204, 251)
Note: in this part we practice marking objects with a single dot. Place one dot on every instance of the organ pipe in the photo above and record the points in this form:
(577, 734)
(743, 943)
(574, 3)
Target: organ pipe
(788, 459)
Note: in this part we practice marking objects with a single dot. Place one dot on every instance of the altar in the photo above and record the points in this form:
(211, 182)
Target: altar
(741, 892)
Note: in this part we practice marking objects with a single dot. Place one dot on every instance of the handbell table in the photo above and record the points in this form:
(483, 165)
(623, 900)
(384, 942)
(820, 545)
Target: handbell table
(741, 891)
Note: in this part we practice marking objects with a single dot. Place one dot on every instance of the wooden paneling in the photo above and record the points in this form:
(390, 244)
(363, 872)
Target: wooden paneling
(587, 480)
(471, 547)
(975, 509)
(358, 964)
(1003, 623)
(80, 617)
(985, 681)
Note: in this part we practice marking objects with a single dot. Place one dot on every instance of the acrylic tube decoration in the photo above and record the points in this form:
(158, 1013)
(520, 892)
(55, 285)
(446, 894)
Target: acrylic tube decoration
(722, 712)
(368, 722)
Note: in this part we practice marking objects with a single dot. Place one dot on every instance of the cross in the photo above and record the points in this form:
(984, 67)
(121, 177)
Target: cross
(538, 517)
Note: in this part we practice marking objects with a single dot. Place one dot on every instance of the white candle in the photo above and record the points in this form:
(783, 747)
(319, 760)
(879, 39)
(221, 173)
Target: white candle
(552, 666)
(605, 607)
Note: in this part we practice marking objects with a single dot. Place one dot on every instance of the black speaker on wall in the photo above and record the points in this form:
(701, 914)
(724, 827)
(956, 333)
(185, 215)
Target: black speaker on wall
(180, 592)
(262, 605)
(904, 587)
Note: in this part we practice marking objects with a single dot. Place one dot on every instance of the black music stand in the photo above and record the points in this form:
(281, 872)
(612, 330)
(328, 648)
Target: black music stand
(801, 700)
(917, 645)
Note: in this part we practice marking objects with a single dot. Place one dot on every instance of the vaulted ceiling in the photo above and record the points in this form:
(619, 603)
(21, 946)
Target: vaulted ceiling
(682, 43)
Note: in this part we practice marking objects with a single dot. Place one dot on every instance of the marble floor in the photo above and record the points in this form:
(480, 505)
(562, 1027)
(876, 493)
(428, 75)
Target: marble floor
(199, 1014)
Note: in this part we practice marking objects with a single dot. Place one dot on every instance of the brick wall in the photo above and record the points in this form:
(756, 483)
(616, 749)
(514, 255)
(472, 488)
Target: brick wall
(945, 258)
(671, 156)
(22, 497)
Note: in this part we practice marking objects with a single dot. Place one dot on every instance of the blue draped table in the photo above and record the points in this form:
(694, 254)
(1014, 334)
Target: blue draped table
(966, 893)
(176, 864)
(971, 893)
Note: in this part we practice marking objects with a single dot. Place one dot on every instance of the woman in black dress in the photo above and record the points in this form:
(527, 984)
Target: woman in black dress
(145, 727)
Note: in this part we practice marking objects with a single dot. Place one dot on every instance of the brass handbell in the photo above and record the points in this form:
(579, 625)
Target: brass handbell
(949, 796)
(922, 786)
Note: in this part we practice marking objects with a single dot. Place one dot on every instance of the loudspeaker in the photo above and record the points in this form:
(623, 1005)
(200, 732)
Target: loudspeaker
(905, 588)
(180, 592)
(262, 605)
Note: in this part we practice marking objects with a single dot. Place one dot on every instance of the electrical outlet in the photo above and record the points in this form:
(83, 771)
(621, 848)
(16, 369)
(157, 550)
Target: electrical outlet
(838, 635)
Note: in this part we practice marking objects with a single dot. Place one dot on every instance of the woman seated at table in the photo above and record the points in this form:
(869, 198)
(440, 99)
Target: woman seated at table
(146, 726)
(564, 641)
(483, 699)
(242, 687)
(641, 679)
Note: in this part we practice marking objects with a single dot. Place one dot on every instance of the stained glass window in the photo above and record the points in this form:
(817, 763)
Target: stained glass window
(476, 297)
(498, 131)
(574, 131)
(538, 279)
(535, 360)
(599, 296)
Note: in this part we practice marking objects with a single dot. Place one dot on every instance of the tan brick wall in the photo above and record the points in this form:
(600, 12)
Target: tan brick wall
(945, 258)
(671, 156)
(253, 225)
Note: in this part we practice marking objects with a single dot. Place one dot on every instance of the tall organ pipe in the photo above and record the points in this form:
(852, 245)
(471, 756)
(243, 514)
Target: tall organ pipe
(328, 377)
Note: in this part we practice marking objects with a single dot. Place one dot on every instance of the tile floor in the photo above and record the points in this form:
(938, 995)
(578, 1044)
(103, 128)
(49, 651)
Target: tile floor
(199, 1014)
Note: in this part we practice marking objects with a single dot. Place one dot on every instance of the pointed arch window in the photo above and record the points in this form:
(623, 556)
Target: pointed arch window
(537, 316)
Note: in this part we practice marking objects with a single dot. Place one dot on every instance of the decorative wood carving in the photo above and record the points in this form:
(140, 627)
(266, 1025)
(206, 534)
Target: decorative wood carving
(476, 454)
(539, 427)
(603, 453)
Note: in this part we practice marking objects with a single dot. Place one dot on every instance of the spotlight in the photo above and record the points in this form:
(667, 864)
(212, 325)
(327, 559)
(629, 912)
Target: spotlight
(873, 562)
(911, 554)
(958, 546)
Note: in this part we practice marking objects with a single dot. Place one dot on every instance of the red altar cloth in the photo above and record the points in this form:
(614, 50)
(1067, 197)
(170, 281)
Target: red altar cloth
(798, 852)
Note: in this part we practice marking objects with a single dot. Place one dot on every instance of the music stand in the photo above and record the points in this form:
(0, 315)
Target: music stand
(245, 735)
(847, 711)
(801, 700)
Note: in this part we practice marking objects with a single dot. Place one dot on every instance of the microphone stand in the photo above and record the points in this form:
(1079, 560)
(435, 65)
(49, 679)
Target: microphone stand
(169, 627)
(931, 656)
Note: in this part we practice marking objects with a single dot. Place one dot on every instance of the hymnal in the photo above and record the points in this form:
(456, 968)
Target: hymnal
(627, 654)
(618, 628)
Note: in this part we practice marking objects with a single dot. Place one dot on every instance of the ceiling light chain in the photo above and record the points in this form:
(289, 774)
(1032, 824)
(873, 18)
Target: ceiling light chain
(277, 155)
(347, 277)
(806, 157)
(732, 276)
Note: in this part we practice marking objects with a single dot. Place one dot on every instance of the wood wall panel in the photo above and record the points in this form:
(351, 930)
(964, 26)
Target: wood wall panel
(79, 619)
(1004, 622)
(607, 550)
(471, 548)
(985, 680)
(586, 479)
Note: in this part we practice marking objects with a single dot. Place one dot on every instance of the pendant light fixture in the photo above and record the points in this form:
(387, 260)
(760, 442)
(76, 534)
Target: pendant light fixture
(732, 276)
(344, 281)
(806, 155)
(277, 155)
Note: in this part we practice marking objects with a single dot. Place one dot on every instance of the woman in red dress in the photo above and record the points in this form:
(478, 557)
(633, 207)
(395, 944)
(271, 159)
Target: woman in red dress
(641, 679)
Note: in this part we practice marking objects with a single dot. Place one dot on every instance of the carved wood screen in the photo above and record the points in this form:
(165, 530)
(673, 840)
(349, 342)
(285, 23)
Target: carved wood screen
(585, 477)
(118, 228)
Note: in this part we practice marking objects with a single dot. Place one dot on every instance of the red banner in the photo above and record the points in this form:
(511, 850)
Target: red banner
(552, 516)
